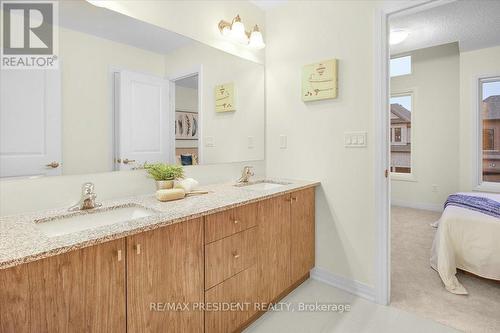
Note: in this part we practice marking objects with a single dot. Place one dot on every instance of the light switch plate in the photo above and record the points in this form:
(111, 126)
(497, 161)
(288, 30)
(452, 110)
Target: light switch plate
(250, 142)
(209, 141)
(355, 139)
(283, 142)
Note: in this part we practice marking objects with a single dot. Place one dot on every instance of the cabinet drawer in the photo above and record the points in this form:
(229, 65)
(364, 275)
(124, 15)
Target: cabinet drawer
(229, 256)
(238, 291)
(229, 222)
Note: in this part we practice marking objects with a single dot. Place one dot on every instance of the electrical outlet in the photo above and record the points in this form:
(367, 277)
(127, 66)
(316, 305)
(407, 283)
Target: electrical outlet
(435, 188)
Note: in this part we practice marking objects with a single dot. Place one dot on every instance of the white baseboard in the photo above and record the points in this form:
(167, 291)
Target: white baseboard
(417, 205)
(351, 286)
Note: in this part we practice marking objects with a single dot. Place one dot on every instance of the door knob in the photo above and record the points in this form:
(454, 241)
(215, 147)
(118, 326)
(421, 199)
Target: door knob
(52, 165)
(127, 161)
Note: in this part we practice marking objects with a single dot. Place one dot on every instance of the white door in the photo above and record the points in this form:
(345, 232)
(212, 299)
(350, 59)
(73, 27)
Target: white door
(30, 123)
(142, 120)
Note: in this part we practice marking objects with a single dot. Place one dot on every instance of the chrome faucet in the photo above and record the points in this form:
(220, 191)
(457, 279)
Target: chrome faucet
(87, 200)
(246, 174)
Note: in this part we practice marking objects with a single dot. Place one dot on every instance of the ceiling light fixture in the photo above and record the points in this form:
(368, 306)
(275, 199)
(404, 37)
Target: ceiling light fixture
(235, 31)
(397, 36)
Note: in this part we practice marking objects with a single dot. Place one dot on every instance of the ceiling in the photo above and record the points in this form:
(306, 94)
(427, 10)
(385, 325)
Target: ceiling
(474, 24)
(268, 4)
(82, 16)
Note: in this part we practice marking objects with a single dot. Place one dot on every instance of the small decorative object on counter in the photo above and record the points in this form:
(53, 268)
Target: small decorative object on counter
(164, 174)
(188, 184)
(175, 194)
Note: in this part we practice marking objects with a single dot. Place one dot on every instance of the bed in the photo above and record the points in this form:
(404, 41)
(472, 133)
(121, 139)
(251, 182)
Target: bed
(468, 240)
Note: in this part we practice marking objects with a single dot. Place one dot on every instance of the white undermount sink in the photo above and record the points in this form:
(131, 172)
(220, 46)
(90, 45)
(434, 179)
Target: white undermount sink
(263, 185)
(83, 220)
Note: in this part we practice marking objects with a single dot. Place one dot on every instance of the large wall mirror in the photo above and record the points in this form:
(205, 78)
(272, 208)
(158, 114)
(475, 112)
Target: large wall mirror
(128, 92)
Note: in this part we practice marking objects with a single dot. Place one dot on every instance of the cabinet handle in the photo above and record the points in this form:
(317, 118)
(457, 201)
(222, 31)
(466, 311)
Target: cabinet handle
(236, 221)
(235, 255)
(138, 249)
(288, 199)
(119, 255)
(294, 199)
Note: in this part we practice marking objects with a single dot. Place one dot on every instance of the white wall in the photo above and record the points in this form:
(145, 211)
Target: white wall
(473, 64)
(229, 130)
(435, 156)
(186, 99)
(197, 19)
(304, 32)
(86, 96)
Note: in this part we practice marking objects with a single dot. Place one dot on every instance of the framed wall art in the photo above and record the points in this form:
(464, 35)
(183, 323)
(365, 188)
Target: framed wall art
(186, 125)
(319, 81)
(224, 98)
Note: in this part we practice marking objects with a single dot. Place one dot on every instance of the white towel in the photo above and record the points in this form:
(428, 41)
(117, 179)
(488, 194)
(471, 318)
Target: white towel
(188, 184)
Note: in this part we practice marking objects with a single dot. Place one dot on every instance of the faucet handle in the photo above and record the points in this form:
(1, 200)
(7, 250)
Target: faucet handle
(88, 188)
(248, 170)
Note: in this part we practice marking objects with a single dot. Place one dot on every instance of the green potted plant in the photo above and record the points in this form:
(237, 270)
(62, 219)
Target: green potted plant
(164, 174)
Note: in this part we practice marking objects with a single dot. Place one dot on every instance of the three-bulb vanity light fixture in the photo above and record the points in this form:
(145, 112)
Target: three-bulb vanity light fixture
(235, 31)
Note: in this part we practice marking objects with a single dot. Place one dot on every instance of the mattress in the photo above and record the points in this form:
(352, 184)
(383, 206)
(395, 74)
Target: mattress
(467, 240)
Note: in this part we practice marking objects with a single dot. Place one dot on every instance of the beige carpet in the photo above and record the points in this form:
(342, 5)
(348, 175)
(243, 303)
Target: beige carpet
(417, 288)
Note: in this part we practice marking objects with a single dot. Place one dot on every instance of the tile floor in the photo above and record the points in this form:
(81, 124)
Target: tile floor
(364, 315)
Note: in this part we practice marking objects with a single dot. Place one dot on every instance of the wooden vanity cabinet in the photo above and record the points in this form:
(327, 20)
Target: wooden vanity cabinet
(274, 247)
(77, 291)
(302, 233)
(165, 266)
(253, 254)
(284, 250)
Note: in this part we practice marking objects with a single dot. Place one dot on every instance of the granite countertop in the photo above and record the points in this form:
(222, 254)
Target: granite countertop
(21, 241)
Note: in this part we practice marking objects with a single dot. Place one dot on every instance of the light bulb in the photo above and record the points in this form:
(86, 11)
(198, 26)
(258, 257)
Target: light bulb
(397, 36)
(256, 40)
(238, 31)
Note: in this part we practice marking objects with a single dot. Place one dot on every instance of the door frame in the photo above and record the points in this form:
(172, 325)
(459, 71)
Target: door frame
(196, 70)
(381, 123)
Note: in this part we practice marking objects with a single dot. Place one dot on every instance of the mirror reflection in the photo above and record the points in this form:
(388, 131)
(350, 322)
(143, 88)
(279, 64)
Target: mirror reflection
(127, 92)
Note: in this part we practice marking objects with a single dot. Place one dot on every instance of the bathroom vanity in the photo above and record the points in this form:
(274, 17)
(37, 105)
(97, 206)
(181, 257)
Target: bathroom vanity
(176, 270)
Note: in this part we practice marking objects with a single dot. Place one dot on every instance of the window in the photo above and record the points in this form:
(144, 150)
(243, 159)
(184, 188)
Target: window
(397, 134)
(401, 122)
(489, 113)
(488, 139)
(400, 66)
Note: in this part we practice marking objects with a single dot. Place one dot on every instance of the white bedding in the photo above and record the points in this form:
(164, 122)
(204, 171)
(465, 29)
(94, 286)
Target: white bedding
(467, 240)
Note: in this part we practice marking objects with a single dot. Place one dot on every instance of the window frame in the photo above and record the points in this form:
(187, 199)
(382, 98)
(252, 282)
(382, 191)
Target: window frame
(412, 176)
(478, 135)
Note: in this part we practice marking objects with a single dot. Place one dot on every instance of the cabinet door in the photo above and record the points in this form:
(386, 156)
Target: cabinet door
(78, 291)
(274, 247)
(302, 233)
(164, 272)
(239, 292)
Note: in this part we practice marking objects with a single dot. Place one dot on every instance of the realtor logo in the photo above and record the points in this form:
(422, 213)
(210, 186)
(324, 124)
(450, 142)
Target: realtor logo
(29, 34)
